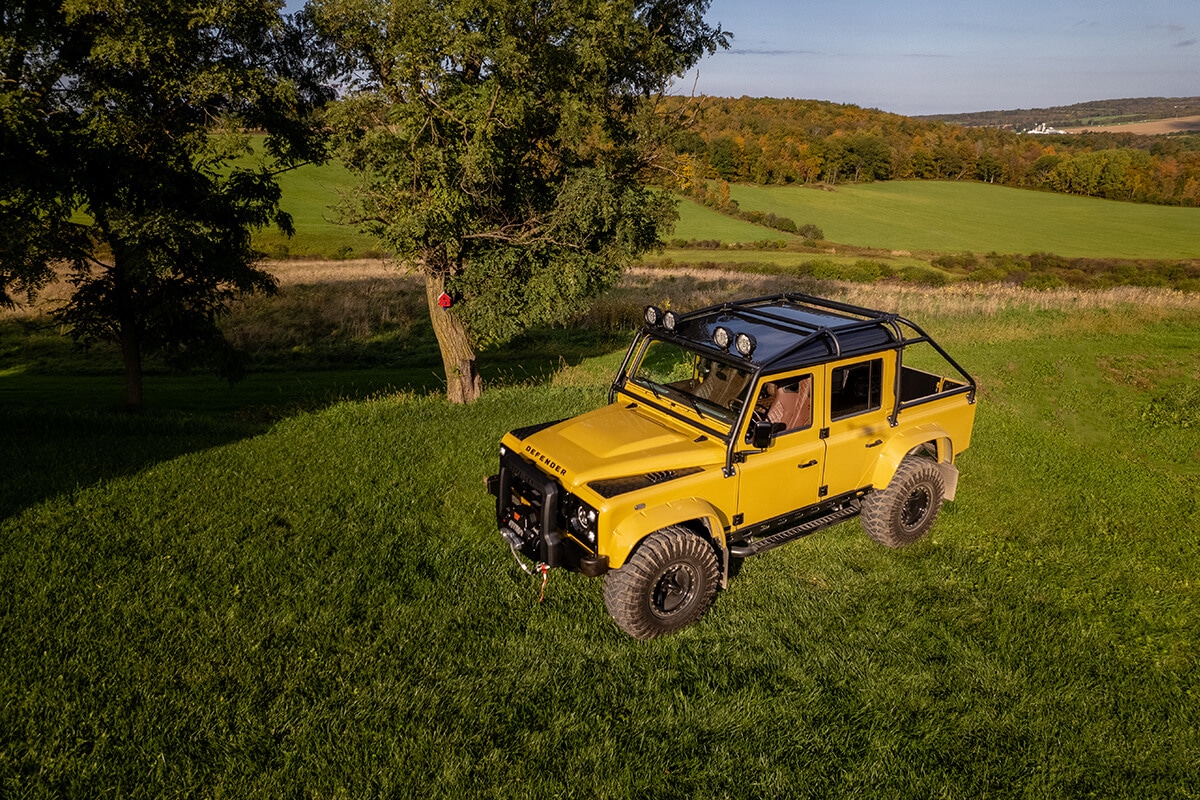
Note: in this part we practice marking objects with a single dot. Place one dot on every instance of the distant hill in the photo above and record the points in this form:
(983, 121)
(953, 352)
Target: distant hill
(1090, 114)
(772, 141)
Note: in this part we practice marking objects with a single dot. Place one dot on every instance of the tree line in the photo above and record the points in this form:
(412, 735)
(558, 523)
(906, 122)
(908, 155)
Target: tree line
(773, 141)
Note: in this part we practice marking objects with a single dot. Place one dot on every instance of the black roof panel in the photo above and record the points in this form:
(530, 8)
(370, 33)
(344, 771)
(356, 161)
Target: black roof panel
(794, 330)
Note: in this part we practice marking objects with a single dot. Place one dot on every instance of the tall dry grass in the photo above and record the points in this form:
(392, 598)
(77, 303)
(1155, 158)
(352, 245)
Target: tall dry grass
(323, 303)
(686, 289)
(339, 303)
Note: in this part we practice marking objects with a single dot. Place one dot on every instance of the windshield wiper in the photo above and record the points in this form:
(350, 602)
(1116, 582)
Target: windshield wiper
(649, 384)
(691, 401)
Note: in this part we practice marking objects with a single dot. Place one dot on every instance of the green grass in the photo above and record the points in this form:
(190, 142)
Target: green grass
(892, 215)
(697, 221)
(309, 195)
(967, 216)
(322, 607)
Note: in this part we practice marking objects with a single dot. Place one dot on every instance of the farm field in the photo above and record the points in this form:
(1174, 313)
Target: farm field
(1154, 127)
(963, 216)
(927, 216)
(309, 194)
(315, 602)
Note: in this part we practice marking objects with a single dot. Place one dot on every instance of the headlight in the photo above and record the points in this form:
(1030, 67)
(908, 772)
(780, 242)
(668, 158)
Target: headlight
(653, 315)
(670, 321)
(721, 337)
(580, 519)
(585, 517)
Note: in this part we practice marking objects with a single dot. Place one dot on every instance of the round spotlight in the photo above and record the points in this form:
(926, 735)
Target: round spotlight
(744, 343)
(721, 337)
(653, 315)
(670, 321)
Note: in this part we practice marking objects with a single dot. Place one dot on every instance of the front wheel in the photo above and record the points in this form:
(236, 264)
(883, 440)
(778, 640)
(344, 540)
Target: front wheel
(667, 584)
(907, 508)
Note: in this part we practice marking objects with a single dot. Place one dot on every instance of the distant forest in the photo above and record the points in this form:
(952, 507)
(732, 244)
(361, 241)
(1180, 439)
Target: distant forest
(774, 141)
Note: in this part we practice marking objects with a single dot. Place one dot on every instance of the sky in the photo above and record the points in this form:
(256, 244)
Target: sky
(918, 57)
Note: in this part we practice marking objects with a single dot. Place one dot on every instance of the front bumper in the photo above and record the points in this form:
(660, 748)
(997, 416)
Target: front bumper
(528, 517)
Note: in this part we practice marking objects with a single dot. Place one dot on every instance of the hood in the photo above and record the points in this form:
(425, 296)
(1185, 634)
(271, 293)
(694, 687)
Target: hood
(618, 441)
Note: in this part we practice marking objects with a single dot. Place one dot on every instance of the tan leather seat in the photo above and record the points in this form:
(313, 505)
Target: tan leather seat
(792, 405)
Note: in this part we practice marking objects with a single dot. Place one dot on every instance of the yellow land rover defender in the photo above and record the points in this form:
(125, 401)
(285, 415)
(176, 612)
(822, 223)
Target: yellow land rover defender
(730, 431)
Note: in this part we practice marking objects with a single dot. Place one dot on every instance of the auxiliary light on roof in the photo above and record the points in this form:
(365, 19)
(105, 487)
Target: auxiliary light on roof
(657, 318)
(744, 343)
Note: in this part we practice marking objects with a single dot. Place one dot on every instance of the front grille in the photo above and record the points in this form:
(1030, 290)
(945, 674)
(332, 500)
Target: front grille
(527, 504)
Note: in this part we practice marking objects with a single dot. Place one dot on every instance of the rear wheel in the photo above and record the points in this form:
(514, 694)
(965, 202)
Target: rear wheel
(904, 511)
(667, 584)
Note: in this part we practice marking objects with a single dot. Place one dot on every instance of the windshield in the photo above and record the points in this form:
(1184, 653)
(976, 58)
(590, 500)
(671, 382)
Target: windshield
(713, 389)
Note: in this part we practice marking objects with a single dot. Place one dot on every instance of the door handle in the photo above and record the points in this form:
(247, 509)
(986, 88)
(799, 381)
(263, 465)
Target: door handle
(812, 463)
(876, 443)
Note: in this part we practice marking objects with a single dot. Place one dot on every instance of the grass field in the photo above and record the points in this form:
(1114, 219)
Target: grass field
(201, 602)
(927, 216)
(956, 217)
(309, 195)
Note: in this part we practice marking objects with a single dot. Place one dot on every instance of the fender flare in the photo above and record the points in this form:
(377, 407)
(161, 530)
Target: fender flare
(902, 444)
(640, 524)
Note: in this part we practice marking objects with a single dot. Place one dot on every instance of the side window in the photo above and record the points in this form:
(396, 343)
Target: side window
(855, 388)
(787, 403)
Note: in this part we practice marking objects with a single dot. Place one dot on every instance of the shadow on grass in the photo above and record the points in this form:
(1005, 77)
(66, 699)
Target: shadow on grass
(64, 431)
(327, 338)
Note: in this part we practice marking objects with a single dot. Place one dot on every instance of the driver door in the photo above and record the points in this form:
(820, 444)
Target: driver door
(787, 474)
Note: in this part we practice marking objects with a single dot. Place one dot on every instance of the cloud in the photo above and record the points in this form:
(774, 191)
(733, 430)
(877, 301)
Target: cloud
(1186, 43)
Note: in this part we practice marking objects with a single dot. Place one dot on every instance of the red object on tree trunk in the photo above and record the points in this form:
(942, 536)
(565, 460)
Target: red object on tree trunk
(444, 300)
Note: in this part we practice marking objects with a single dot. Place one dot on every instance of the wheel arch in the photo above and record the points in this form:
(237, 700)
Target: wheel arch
(698, 516)
(931, 442)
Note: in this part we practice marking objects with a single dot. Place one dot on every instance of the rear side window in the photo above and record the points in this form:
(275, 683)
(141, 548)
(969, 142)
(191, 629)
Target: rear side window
(855, 389)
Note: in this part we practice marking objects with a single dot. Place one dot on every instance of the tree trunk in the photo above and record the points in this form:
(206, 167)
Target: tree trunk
(463, 383)
(131, 353)
(129, 333)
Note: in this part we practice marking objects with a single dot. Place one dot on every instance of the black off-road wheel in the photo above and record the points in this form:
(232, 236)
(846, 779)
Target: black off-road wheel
(667, 584)
(904, 511)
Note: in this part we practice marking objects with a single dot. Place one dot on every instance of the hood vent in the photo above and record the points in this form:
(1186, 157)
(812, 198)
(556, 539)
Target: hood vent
(615, 486)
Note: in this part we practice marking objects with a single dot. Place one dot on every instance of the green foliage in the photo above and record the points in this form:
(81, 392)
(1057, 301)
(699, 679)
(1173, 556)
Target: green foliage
(501, 148)
(861, 271)
(162, 243)
(780, 142)
(1177, 408)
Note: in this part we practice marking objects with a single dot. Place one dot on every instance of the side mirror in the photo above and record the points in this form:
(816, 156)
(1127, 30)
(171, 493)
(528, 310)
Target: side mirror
(761, 433)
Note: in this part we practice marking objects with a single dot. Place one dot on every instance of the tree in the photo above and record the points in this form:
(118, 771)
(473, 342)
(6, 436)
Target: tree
(111, 165)
(502, 147)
